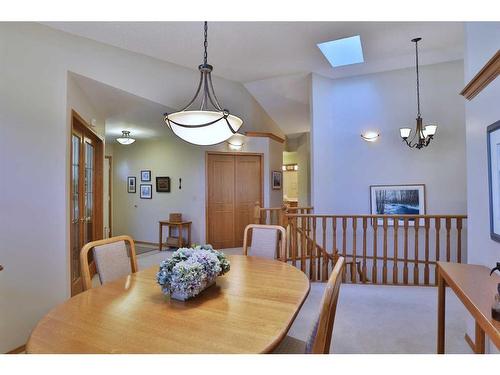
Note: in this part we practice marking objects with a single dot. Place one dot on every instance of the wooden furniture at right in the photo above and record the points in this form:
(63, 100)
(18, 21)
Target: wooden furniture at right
(250, 310)
(268, 240)
(84, 256)
(476, 289)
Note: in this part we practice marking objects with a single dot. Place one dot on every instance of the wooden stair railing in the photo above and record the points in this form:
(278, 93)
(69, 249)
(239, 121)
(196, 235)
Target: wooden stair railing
(397, 249)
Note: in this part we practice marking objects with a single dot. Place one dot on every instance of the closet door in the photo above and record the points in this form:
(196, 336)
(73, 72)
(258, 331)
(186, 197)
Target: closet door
(234, 184)
(248, 191)
(220, 195)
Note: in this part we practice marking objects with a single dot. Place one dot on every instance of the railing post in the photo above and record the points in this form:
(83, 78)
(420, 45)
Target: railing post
(395, 261)
(363, 270)
(405, 265)
(459, 239)
(256, 213)
(426, 266)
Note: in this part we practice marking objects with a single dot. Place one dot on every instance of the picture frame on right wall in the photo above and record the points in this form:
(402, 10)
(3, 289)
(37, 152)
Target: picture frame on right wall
(493, 144)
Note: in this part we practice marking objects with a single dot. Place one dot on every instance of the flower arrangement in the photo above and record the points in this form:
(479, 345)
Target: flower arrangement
(191, 270)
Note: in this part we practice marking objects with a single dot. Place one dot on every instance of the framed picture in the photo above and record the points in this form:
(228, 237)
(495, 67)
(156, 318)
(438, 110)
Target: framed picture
(276, 179)
(493, 140)
(145, 176)
(163, 184)
(146, 191)
(131, 186)
(397, 200)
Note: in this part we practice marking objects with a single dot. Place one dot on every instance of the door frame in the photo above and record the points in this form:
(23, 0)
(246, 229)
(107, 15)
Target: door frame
(78, 121)
(207, 153)
(110, 190)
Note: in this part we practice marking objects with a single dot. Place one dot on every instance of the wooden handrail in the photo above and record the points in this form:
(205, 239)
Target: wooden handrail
(379, 249)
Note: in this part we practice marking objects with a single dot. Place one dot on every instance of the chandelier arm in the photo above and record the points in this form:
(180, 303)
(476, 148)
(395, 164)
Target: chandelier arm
(195, 95)
(216, 104)
(229, 125)
(195, 126)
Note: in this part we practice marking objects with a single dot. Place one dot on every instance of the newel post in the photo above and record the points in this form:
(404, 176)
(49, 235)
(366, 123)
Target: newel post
(256, 213)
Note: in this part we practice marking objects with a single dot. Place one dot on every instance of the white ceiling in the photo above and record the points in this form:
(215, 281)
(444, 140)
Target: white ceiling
(269, 57)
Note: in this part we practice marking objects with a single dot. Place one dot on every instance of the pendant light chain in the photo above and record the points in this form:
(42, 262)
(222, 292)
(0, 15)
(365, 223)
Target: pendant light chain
(418, 81)
(205, 44)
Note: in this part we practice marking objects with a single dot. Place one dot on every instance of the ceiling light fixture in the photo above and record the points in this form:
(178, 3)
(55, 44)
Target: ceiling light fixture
(424, 133)
(125, 139)
(370, 136)
(204, 127)
(236, 142)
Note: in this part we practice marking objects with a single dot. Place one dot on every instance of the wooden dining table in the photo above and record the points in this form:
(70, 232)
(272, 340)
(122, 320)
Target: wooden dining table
(249, 310)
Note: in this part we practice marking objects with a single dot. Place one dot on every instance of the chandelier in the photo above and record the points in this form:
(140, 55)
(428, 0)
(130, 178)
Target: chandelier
(211, 123)
(423, 134)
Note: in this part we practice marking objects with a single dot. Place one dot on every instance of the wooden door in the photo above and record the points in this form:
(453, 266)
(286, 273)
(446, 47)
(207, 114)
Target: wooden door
(234, 184)
(85, 194)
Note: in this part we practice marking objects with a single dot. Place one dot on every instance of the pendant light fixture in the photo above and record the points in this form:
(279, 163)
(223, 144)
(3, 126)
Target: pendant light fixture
(211, 123)
(423, 134)
(125, 139)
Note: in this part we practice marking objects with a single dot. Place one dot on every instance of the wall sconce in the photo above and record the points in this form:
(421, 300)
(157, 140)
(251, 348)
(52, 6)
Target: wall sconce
(236, 142)
(370, 136)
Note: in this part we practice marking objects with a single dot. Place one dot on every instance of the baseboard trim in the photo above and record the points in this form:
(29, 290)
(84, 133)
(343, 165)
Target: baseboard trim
(18, 350)
(147, 243)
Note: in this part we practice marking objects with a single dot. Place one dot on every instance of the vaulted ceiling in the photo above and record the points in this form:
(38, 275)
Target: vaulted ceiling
(273, 59)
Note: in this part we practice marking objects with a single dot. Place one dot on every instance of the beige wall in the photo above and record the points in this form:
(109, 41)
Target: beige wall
(298, 151)
(34, 221)
(171, 157)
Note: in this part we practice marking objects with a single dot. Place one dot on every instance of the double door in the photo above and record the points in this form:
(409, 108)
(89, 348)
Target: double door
(234, 184)
(86, 194)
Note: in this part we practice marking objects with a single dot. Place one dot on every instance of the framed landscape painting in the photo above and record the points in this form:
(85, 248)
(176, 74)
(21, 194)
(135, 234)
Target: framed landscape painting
(397, 200)
(493, 140)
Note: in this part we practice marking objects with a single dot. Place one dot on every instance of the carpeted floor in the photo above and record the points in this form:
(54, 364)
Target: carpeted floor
(374, 319)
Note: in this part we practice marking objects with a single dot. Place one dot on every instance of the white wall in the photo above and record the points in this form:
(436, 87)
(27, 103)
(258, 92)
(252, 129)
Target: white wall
(172, 157)
(34, 205)
(344, 166)
(482, 41)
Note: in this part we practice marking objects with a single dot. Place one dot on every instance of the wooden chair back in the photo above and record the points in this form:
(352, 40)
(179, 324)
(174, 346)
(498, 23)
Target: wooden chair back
(84, 263)
(278, 248)
(324, 331)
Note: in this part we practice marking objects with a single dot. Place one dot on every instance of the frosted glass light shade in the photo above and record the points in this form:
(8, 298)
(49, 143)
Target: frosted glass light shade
(206, 135)
(405, 132)
(125, 138)
(430, 129)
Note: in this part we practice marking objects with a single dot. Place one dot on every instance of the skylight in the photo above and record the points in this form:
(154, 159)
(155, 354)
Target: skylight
(342, 52)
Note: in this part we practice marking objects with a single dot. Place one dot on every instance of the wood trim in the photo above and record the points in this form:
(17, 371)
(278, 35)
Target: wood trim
(18, 350)
(147, 243)
(272, 136)
(110, 190)
(483, 78)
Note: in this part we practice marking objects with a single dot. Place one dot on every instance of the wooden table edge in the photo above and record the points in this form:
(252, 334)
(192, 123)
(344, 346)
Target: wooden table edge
(478, 317)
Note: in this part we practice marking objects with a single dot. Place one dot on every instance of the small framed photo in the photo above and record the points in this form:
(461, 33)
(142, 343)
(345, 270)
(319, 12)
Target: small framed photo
(145, 176)
(276, 179)
(131, 185)
(493, 143)
(163, 184)
(397, 200)
(146, 191)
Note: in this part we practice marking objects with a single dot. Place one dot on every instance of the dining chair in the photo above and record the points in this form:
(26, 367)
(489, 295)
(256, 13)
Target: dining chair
(268, 241)
(321, 335)
(111, 257)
